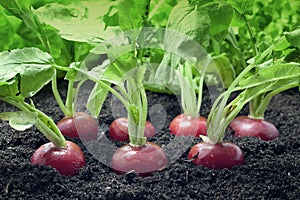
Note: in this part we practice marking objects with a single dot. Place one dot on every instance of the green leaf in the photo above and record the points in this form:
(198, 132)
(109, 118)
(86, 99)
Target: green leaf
(9, 26)
(222, 70)
(199, 2)
(275, 74)
(16, 7)
(187, 31)
(243, 6)
(73, 74)
(111, 18)
(281, 45)
(159, 12)
(185, 19)
(20, 120)
(220, 15)
(38, 32)
(82, 21)
(119, 67)
(40, 3)
(9, 88)
(132, 14)
(30, 67)
(293, 37)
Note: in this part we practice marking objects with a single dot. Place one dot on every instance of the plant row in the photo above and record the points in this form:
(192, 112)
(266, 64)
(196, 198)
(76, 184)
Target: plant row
(217, 44)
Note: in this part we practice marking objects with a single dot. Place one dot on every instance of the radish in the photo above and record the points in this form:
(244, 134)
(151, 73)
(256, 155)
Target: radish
(119, 129)
(68, 160)
(245, 126)
(189, 123)
(185, 125)
(141, 159)
(81, 125)
(216, 156)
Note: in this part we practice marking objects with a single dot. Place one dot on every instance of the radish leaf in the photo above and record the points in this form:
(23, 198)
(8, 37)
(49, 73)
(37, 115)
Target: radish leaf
(272, 74)
(29, 68)
(20, 120)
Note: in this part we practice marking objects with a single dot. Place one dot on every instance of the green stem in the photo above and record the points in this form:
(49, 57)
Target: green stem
(57, 95)
(142, 119)
(187, 91)
(53, 132)
(260, 110)
(76, 95)
(253, 42)
(137, 118)
(200, 88)
(235, 44)
(61, 68)
(49, 134)
(44, 123)
(110, 89)
(240, 101)
(253, 104)
(218, 108)
(102, 83)
(69, 99)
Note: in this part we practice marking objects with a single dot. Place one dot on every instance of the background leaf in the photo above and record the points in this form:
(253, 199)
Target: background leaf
(293, 37)
(133, 14)
(80, 22)
(220, 15)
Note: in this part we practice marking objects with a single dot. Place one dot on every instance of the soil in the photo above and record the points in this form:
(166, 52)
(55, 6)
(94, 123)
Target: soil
(271, 169)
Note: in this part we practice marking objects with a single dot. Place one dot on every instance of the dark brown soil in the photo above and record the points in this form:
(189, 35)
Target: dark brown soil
(271, 169)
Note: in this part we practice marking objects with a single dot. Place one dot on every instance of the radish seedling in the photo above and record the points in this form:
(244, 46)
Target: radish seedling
(191, 26)
(254, 125)
(74, 124)
(189, 123)
(138, 156)
(279, 77)
(23, 73)
(126, 72)
(213, 152)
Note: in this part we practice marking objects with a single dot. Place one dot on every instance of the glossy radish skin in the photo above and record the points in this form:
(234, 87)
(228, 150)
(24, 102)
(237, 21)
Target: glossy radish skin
(142, 160)
(183, 125)
(245, 126)
(216, 156)
(81, 125)
(68, 160)
(118, 130)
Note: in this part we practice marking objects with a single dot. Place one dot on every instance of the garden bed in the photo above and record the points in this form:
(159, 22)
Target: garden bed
(271, 169)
